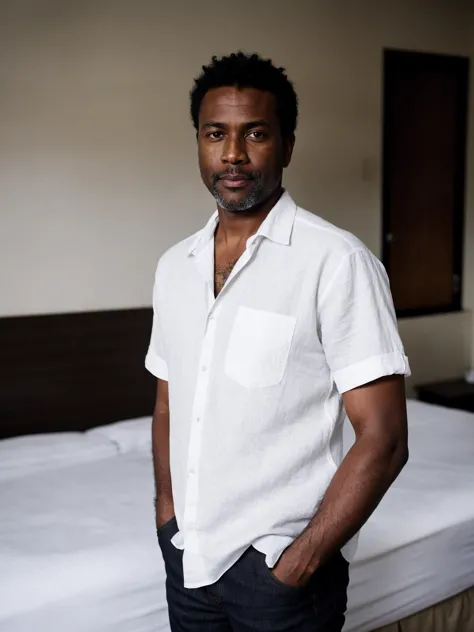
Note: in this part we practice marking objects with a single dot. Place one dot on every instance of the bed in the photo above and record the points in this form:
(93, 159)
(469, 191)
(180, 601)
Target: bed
(78, 548)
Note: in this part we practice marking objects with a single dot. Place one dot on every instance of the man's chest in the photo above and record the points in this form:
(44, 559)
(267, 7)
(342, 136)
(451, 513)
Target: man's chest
(225, 261)
(252, 314)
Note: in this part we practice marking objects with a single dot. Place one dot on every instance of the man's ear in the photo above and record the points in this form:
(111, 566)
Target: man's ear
(288, 145)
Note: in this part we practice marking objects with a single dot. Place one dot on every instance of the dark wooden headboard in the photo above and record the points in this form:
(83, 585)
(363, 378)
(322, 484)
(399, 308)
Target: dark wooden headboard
(73, 371)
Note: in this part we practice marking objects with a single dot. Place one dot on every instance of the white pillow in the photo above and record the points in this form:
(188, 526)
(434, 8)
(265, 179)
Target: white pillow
(130, 434)
(34, 453)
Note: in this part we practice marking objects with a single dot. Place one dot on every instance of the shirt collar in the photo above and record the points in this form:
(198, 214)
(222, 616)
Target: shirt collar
(204, 235)
(277, 226)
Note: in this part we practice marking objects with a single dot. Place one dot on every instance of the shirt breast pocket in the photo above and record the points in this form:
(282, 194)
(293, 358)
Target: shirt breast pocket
(259, 347)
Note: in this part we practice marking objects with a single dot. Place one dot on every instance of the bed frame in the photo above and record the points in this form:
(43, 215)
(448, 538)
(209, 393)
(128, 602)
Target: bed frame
(455, 614)
(66, 372)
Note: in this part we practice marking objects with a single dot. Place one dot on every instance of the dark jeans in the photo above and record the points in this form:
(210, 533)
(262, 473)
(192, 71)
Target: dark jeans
(249, 598)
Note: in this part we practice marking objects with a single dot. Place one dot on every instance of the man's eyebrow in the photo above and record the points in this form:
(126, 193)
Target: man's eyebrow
(260, 123)
(214, 124)
(248, 125)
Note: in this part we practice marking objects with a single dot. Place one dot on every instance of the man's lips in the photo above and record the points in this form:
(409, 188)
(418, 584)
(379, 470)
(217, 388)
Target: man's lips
(237, 180)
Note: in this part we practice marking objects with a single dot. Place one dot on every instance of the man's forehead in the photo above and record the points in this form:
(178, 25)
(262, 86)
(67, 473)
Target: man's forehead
(237, 103)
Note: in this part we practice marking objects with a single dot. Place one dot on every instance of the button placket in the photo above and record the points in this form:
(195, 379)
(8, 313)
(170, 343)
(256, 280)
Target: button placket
(202, 385)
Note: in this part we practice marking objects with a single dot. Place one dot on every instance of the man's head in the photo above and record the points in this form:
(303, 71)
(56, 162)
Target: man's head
(244, 110)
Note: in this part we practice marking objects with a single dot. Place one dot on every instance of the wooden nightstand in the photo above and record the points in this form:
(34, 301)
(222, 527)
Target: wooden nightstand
(452, 394)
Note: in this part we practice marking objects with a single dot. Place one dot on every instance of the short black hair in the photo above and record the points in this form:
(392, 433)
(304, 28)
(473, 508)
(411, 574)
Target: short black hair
(248, 71)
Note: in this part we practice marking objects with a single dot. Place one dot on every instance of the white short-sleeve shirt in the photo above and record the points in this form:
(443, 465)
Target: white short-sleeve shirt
(256, 376)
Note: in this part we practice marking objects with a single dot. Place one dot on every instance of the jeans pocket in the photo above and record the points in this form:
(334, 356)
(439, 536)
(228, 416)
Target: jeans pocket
(267, 572)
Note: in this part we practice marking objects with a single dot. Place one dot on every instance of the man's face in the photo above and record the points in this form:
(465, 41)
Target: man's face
(241, 150)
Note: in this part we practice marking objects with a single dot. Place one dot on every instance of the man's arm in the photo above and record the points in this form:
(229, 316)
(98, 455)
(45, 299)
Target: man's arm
(160, 431)
(377, 412)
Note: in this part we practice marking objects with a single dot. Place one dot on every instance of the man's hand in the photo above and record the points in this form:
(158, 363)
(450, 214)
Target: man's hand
(295, 566)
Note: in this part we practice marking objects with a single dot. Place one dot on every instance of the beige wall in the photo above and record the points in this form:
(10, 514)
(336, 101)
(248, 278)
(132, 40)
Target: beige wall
(97, 158)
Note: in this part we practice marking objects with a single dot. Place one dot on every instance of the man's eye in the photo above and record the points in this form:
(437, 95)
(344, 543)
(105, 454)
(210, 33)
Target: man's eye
(257, 135)
(215, 135)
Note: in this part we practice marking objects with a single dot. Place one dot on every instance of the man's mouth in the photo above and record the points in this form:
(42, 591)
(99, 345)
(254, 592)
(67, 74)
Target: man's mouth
(235, 181)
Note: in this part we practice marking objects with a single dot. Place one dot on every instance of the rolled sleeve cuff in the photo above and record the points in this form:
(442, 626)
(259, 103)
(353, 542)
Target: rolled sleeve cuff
(373, 368)
(156, 365)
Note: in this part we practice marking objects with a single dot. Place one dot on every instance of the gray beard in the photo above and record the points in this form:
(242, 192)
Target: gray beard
(252, 199)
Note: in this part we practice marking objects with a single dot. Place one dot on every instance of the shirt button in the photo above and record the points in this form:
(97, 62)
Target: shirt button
(211, 316)
(198, 419)
(204, 368)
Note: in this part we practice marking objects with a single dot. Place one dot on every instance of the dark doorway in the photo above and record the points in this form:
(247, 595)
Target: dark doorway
(424, 147)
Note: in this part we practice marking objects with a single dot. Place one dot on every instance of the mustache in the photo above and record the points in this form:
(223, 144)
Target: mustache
(254, 175)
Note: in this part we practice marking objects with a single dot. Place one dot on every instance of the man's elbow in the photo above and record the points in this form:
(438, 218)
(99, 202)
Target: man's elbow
(391, 449)
(400, 455)
(404, 456)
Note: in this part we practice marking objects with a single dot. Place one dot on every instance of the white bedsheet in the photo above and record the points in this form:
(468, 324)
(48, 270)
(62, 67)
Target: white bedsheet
(78, 549)
(418, 547)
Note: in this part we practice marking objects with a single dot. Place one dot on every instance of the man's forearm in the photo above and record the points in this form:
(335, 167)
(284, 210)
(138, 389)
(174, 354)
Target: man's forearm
(359, 484)
(161, 465)
(161, 457)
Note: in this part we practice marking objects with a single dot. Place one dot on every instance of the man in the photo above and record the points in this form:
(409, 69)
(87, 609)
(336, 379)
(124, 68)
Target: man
(268, 323)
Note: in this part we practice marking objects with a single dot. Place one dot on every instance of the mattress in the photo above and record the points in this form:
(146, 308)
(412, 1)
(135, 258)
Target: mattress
(418, 547)
(78, 548)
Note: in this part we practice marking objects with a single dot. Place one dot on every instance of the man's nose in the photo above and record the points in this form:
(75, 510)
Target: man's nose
(234, 151)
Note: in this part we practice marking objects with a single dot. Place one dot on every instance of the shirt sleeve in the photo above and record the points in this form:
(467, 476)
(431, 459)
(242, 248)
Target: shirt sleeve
(155, 360)
(358, 325)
